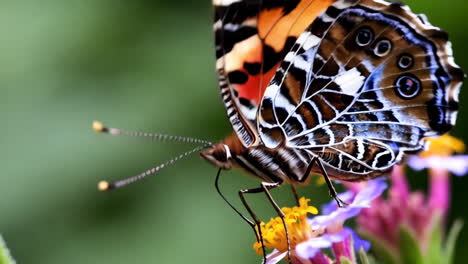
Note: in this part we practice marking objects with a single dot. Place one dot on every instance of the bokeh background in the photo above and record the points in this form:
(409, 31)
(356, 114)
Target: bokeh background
(141, 65)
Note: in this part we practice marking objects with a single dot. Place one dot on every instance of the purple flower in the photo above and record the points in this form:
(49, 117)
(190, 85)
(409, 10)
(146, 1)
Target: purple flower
(333, 215)
(440, 155)
(308, 249)
(457, 164)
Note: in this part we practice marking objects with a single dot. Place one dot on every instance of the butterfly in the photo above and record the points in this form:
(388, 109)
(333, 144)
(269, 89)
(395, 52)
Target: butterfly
(343, 88)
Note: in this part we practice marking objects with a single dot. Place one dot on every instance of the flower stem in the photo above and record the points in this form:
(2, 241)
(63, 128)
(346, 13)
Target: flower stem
(439, 193)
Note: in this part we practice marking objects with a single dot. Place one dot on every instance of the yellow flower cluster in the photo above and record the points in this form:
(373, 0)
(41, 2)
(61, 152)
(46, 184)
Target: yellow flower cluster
(274, 235)
(443, 146)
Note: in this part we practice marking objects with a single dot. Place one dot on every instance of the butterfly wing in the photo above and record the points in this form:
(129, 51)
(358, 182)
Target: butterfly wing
(252, 38)
(364, 83)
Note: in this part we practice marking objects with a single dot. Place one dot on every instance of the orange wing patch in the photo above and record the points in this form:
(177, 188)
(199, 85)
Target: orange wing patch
(275, 28)
(265, 51)
(249, 50)
(252, 37)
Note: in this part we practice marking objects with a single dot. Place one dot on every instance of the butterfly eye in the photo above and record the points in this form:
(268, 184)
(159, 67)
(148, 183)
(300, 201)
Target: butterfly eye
(405, 61)
(408, 86)
(383, 47)
(364, 37)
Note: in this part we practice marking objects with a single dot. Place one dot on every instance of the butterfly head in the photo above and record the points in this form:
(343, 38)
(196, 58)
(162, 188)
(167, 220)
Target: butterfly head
(223, 154)
(219, 155)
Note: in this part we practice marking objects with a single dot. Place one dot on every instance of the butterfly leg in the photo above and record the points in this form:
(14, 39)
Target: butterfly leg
(247, 220)
(331, 188)
(254, 216)
(265, 188)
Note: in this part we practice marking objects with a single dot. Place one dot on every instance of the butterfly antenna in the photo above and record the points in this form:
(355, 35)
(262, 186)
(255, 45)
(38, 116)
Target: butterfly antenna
(99, 127)
(105, 185)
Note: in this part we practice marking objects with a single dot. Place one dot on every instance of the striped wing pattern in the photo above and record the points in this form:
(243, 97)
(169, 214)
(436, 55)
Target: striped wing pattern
(252, 38)
(360, 103)
(355, 83)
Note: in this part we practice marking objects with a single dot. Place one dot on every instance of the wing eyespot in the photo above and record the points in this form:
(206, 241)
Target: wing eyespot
(383, 47)
(364, 36)
(405, 61)
(408, 86)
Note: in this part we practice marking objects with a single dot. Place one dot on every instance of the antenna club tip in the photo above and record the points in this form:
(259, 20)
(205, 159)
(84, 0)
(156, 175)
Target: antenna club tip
(98, 126)
(103, 186)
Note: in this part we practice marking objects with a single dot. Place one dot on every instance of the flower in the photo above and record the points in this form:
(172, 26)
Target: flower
(440, 160)
(439, 155)
(308, 236)
(384, 219)
(444, 146)
(410, 221)
(335, 215)
(274, 235)
(414, 221)
(457, 165)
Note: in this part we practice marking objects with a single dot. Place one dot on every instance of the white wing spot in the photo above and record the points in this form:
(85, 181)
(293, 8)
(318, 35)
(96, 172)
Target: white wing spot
(290, 56)
(302, 64)
(271, 91)
(350, 81)
(249, 113)
(311, 42)
(302, 38)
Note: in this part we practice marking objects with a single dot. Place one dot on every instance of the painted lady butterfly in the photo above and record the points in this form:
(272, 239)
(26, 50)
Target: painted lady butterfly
(342, 88)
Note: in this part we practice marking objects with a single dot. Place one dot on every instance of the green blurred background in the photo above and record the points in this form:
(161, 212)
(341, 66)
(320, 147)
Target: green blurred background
(142, 65)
